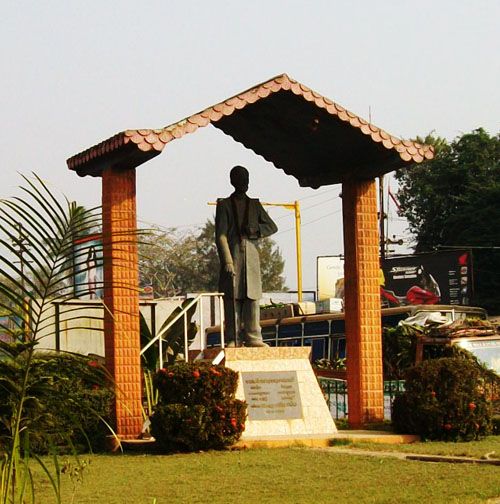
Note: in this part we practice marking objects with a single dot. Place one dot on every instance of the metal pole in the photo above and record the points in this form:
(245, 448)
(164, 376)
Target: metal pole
(382, 216)
(222, 321)
(153, 320)
(212, 310)
(25, 322)
(58, 327)
(235, 322)
(186, 349)
(202, 325)
(21, 255)
(298, 245)
(160, 349)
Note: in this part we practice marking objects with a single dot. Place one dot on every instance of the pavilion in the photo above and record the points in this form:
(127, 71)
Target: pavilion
(307, 136)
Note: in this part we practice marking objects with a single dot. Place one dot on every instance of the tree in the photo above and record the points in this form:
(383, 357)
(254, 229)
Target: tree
(175, 263)
(452, 201)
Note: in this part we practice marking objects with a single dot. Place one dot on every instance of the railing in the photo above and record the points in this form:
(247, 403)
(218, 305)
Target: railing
(198, 300)
(335, 392)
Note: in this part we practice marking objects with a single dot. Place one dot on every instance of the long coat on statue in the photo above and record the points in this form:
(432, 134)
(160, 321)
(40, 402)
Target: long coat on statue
(234, 245)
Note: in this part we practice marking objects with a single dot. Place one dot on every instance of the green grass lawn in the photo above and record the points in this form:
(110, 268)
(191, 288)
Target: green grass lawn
(274, 476)
(476, 449)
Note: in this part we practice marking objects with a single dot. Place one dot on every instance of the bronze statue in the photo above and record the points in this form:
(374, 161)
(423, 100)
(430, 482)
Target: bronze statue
(239, 222)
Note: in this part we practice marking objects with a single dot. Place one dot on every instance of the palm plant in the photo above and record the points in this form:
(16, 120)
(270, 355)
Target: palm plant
(37, 232)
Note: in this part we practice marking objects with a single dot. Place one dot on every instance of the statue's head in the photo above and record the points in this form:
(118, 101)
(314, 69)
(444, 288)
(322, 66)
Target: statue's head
(239, 178)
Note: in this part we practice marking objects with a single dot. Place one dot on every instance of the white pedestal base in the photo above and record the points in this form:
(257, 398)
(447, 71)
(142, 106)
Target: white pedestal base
(283, 396)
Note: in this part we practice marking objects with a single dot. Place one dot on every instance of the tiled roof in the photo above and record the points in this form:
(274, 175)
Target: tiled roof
(234, 116)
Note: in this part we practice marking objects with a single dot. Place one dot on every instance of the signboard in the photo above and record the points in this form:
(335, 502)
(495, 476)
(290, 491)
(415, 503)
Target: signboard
(437, 278)
(443, 277)
(272, 395)
(88, 267)
(330, 277)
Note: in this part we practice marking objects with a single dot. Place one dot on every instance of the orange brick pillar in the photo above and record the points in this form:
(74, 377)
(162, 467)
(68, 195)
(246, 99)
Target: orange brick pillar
(121, 296)
(362, 303)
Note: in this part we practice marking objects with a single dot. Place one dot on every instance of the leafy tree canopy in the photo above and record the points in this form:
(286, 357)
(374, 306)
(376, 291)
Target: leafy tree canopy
(175, 263)
(453, 200)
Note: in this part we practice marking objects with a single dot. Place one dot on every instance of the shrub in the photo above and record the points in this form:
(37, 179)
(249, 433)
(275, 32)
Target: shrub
(197, 409)
(445, 399)
(399, 348)
(82, 400)
(68, 397)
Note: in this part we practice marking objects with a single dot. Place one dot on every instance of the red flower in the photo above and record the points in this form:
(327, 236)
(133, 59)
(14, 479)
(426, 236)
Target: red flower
(472, 406)
(242, 426)
(234, 423)
(163, 370)
(196, 374)
(433, 394)
(447, 426)
(93, 363)
(170, 375)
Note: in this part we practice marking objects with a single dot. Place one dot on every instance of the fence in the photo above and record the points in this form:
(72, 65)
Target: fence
(335, 392)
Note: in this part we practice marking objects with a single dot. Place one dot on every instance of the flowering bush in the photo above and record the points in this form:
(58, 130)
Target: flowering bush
(197, 409)
(445, 399)
(68, 397)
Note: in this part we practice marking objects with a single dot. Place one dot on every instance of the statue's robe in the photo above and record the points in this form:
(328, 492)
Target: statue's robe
(235, 246)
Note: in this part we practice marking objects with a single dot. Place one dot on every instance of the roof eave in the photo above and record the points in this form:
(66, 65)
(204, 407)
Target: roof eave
(131, 148)
(112, 153)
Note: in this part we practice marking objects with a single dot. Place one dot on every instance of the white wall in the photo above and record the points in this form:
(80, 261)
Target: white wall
(81, 325)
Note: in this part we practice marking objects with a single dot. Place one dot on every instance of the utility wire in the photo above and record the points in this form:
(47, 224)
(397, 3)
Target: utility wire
(282, 216)
(315, 194)
(318, 204)
(309, 222)
(278, 217)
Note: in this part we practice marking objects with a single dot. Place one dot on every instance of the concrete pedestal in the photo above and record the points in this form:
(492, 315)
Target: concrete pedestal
(283, 395)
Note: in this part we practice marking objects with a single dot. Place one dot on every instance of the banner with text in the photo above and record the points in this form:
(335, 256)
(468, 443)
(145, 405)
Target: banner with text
(443, 277)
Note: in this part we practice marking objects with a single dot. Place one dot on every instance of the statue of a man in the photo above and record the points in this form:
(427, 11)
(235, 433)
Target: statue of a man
(239, 222)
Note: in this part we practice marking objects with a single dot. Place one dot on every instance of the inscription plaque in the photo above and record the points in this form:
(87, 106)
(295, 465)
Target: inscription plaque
(272, 395)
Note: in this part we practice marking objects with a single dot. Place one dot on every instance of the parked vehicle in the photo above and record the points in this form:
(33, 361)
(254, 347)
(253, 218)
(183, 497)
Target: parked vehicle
(325, 333)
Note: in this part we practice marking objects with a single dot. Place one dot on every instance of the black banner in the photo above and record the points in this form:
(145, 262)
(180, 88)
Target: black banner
(435, 278)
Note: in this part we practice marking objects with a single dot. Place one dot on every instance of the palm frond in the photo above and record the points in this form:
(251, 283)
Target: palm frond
(37, 233)
(37, 238)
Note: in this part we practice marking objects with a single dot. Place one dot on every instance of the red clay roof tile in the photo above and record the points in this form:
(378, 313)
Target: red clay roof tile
(153, 141)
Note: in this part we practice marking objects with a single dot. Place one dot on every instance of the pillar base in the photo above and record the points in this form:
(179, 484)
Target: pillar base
(118, 444)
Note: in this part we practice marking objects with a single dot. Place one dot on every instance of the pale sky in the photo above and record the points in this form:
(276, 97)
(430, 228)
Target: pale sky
(75, 73)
